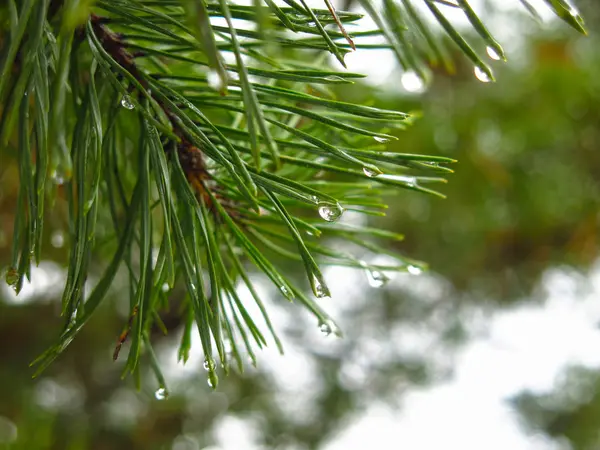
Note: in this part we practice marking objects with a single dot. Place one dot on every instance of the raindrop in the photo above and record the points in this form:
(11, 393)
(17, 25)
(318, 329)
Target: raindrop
(334, 78)
(209, 364)
(408, 180)
(286, 291)
(482, 75)
(58, 177)
(573, 12)
(12, 277)
(329, 327)
(58, 239)
(381, 139)
(126, 102)
(412, 82)
(212, 380)
(492, 53)
(214, 80)
(376, 278)
(370, 172)
(165, 287)
(414, 270)
(325, 328)
(321, 291)
(315, 199)
(330, 212)
(161, 394)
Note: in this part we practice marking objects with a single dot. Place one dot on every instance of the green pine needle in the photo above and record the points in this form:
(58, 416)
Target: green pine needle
(207, 153)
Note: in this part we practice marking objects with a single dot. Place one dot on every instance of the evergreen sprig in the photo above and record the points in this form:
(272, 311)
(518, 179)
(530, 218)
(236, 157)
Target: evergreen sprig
(209, 151)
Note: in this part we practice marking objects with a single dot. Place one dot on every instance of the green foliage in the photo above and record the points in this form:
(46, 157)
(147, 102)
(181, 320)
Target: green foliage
(569, 411)
(212, 150)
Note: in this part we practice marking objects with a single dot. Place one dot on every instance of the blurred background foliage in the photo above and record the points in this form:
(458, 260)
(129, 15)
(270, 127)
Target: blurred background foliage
(524, 198)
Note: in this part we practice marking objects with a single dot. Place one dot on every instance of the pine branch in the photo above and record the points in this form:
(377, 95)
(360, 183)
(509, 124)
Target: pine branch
(207, 154)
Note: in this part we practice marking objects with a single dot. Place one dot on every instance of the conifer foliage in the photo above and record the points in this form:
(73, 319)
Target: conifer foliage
(199, 142)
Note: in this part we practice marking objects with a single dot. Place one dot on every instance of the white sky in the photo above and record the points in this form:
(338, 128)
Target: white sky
(526, 347)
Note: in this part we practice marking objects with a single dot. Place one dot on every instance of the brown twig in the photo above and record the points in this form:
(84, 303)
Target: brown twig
(115, 47)
(125, 334)
(190, 156)
(340, 25)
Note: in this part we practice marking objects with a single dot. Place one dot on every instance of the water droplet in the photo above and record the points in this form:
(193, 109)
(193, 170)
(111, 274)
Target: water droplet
(334, 78)
(572, 11)
(12, 277)
(165, 287)
(315, 199)
(161, 394)
(409, 181)
(330, 212)
(329, 327)
(214, 80)
(321, 290)
(482, 75)
(62, 173)
(57, 239)
(381, 139)
(58, 177)
(325, 329)
(126, 102)
(412, 82)
(414, 270)
(370, 172)
(287, 293)
(376, 278)
(492, 53)
(212, 380)
(209, 364)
